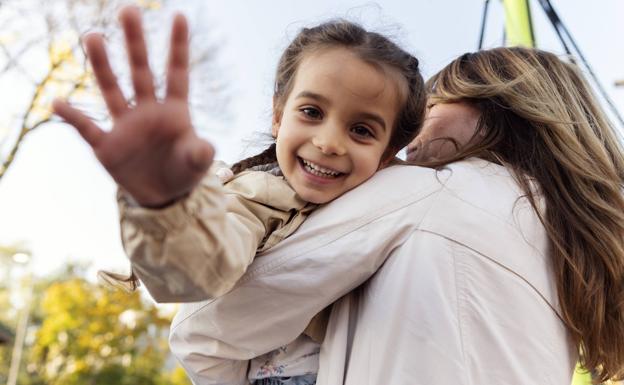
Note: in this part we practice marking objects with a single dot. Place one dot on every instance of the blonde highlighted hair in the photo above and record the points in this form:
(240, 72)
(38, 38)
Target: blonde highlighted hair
(540, 119)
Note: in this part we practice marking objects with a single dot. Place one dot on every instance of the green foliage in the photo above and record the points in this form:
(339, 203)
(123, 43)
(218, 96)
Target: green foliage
(84, 333)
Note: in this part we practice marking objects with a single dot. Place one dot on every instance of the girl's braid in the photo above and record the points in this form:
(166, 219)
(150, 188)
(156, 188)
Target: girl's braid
(265, 157)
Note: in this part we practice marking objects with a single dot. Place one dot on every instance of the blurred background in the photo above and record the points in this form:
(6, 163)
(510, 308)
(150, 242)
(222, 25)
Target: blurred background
(58, 215)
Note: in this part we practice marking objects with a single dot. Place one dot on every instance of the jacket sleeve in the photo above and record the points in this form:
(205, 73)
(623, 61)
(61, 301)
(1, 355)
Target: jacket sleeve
(199, 247)
(336, 249)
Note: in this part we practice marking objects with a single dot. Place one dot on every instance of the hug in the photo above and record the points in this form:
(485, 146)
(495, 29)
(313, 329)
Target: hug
(494, 251)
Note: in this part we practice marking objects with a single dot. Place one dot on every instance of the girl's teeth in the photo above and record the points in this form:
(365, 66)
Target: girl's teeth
(318, 170)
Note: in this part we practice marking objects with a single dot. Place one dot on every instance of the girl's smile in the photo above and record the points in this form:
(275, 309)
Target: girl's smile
(319, 174)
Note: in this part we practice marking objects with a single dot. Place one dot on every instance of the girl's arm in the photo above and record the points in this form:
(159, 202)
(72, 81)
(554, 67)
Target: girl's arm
(199, 247)
(201, 242)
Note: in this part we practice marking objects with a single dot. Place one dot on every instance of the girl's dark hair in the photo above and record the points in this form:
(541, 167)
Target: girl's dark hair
(371, 47)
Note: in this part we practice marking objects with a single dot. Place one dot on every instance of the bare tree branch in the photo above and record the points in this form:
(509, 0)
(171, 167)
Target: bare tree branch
(63, 24)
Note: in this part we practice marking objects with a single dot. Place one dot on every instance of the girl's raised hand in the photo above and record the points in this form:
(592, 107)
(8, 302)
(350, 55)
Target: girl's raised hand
(152, 150)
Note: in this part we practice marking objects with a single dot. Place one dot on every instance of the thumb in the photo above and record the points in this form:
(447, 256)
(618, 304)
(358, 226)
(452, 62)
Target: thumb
(200, 155)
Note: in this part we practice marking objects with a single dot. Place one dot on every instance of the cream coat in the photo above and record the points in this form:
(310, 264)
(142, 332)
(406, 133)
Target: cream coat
(200, 246)
(466, 295)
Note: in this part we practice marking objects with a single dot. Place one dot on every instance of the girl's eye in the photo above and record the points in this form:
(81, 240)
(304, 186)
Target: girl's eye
(362, 131)
(311, 112)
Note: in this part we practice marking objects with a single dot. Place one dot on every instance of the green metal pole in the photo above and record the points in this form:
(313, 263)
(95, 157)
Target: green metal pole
(518, 26)
(581, 377)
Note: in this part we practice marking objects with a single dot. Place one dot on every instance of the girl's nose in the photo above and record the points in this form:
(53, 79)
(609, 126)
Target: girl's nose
(329, 140)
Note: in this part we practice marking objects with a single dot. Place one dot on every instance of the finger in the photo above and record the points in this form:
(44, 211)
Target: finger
(142, 78)
(177, 72)
(90, 132)
(200, 155)
(96, 51)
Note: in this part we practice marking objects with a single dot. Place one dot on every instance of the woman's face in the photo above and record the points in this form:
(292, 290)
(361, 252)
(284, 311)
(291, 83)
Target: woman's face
(444, 120)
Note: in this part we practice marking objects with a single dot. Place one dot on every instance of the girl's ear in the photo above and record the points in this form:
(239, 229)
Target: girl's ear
(385, 162)
(277, 118)
(275, 126)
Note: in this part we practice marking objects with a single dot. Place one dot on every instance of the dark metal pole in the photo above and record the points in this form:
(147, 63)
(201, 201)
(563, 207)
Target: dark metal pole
(483, 22)
(559, 27)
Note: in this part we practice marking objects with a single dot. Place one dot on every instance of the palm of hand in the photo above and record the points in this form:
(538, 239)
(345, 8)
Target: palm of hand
(149, 152)
(152, 150)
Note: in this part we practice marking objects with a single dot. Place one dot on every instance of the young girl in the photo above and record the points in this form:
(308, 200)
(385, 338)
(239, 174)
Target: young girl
(345, 102)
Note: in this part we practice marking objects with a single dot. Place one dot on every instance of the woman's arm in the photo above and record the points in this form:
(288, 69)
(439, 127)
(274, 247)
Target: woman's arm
(468, 293)
(335, 250)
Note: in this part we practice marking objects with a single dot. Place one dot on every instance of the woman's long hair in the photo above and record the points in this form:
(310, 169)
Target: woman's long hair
(540, 119)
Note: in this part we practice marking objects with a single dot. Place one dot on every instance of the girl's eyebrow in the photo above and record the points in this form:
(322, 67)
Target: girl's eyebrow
(365, 115)
(312, 95)
(374, 117)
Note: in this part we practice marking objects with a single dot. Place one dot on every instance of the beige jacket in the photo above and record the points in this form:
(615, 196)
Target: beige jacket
(199, 247)
(466, 295)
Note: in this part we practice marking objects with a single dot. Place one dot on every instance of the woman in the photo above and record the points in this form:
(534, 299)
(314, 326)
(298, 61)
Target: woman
(502, 265)
(540, 120)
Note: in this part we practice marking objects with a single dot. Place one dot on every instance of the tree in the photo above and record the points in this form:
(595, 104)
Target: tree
(93, 335)
(84, 333)
(7, 323)
(41, 58)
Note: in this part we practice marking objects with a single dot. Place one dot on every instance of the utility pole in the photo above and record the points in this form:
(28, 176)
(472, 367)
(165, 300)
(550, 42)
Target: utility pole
(20, 336)
(22, 323)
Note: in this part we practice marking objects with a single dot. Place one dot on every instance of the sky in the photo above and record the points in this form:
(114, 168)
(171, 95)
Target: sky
(58, 201)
